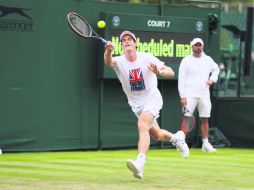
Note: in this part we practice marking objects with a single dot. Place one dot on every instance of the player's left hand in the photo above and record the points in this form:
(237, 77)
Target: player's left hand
(209, 83)
(154, 68)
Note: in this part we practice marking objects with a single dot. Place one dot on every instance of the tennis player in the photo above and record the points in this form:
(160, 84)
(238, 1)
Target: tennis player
(137, 72)
(197, 72)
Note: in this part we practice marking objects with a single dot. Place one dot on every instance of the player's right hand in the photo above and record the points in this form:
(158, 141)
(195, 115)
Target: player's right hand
(183, 101)
(109, 46)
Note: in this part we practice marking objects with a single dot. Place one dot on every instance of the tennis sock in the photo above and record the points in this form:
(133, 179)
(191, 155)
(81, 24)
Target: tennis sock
(205, 141)
(141, 159)
(173, 136)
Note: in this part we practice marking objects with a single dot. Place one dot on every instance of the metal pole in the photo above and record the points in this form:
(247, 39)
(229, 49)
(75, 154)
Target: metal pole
(239, 70)
(161, 7)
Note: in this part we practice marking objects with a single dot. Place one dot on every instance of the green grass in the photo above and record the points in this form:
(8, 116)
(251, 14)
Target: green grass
(228, 169)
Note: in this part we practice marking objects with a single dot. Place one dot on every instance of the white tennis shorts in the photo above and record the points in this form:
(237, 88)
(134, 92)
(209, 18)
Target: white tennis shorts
(153, 106)
(203, 104)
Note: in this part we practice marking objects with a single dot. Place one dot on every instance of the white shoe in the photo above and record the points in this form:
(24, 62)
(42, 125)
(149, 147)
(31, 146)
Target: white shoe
(180, 144)
(135, 168)
(207, 147)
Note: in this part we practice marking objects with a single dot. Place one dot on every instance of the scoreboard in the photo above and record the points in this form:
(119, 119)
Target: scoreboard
(166, 37)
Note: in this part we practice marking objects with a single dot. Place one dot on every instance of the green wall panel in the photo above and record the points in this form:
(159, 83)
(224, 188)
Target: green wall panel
(235, 119)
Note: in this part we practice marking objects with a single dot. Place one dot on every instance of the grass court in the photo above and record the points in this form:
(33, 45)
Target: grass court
(165, 169)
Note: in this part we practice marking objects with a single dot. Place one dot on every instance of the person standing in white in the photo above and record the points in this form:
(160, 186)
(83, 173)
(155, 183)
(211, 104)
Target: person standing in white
(197, 72)
(137, 73)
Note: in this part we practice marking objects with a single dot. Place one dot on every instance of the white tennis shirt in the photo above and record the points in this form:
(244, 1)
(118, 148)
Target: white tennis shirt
(138, 82)
(193, 74)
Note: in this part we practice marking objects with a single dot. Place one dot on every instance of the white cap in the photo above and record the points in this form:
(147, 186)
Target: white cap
(197, 40)
(127, 33)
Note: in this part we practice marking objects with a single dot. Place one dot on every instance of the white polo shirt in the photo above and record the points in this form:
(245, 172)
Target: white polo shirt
(193, 74)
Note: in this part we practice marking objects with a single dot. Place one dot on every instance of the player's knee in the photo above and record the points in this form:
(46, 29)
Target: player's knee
(142, 126)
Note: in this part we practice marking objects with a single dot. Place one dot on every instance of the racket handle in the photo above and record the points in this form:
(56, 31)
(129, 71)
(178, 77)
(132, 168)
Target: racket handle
(104, 41)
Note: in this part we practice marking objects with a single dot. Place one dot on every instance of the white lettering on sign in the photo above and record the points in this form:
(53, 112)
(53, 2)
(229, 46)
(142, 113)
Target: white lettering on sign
(158, 23)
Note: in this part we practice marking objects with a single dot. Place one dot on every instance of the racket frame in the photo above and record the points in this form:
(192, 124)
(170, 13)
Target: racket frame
(193, 121)
(74, 29)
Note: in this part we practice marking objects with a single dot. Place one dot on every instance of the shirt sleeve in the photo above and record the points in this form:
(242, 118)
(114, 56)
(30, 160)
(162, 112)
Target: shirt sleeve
(156, 61)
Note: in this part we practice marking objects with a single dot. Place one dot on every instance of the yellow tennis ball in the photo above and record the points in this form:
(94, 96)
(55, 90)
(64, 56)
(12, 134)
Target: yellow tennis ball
(101, 24)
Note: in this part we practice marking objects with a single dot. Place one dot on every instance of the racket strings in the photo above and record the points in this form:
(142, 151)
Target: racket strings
(188, 121)
(81, 26)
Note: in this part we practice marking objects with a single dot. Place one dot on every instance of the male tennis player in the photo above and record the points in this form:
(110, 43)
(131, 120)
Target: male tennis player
(197, 72)
(137, 73)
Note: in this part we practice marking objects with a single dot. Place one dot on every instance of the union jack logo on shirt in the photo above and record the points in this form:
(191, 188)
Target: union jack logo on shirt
(136, 80)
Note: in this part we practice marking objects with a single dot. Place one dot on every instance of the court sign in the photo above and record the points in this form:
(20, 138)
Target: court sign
(167, 37)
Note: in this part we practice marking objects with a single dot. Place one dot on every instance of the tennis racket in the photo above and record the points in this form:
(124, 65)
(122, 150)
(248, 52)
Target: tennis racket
(81, 27)
(188, 121)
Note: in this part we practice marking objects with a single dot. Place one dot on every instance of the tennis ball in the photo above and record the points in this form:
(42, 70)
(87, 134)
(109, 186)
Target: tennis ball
(101, 24)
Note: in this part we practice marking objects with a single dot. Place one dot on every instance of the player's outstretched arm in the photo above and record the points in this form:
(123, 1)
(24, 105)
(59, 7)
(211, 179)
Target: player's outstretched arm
(108, 59)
